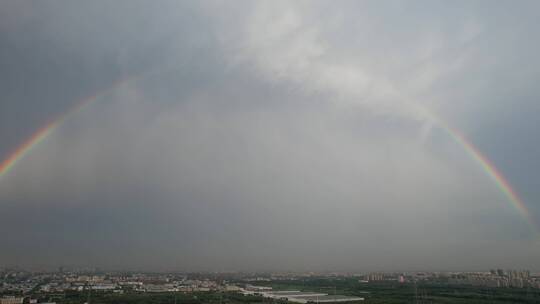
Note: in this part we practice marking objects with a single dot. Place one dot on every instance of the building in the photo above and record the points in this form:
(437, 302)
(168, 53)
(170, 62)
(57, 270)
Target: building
(103, 287)
(231, 288)
(258, 288)
(11, 300)
(376, 276)
(325, 299)
(304, 297)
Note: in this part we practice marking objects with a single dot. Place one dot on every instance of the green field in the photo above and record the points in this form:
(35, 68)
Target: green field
(393, 292)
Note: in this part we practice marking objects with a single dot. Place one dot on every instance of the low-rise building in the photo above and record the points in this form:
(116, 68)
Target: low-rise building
(11, 300)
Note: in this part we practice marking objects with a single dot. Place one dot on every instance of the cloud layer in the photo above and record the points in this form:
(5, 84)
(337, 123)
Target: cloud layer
(266, 135)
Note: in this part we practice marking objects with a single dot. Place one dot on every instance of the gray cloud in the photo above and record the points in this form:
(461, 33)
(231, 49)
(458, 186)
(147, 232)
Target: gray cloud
(265, 136)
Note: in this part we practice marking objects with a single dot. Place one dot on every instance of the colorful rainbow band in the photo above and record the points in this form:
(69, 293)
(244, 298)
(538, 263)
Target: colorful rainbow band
(488, 167)
(22, 150)
(25, 148)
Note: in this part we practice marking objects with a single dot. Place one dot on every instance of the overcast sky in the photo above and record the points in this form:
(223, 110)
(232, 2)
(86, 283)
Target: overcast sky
(268, 135)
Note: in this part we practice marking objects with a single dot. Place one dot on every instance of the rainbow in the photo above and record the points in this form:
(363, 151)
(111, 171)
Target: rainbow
(26, 147)
(40, 135)
(494, 173)
(488, 167)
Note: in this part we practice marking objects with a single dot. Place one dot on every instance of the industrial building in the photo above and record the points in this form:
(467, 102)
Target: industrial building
(303, 297)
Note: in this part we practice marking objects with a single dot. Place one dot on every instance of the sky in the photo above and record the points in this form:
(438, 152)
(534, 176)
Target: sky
(269, 135)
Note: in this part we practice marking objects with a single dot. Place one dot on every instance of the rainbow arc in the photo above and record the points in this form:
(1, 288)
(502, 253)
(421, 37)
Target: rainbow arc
(488, 167)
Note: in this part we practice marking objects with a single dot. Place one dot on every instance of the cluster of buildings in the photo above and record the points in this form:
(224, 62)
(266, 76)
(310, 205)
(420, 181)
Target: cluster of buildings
(122, 284)
(384, 276)
(494, 278)
(497, 278)
(24, 283)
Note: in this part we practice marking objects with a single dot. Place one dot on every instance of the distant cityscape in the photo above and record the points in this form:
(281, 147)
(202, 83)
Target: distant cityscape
(19, 286)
